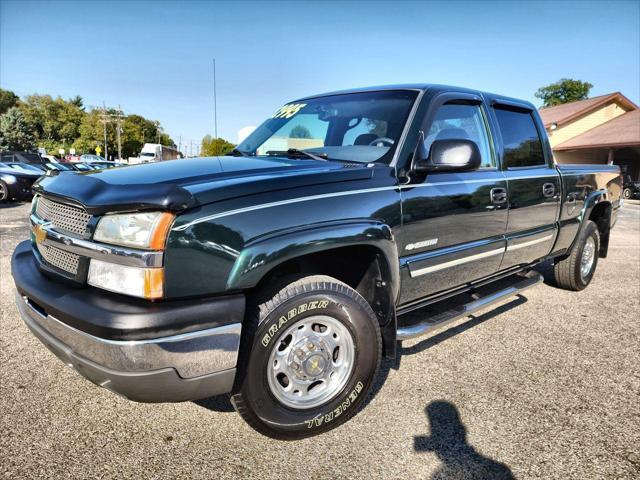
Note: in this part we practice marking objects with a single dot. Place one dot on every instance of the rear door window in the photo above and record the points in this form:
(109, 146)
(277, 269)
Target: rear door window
(522, 145)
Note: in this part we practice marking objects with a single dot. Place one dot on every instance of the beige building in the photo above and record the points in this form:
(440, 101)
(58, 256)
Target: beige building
(604, 129)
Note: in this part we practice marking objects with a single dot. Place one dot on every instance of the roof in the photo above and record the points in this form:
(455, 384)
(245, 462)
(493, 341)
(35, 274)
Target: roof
(561, 114)
(623, 130)
(423, 87)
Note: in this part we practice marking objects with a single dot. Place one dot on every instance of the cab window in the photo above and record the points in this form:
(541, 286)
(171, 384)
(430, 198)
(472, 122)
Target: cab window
(462, 122)
(522, 145)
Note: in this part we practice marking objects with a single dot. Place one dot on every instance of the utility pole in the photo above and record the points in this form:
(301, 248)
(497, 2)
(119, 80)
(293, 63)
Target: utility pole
(179, 142)
(191, 148)
(104, 123)
(119, 131)
(215, 102)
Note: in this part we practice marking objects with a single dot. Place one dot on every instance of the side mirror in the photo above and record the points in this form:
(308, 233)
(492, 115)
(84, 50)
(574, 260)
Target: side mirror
(455, 155)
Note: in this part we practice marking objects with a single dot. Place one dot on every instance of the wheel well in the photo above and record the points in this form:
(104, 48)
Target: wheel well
(364, 268)
(601, 215)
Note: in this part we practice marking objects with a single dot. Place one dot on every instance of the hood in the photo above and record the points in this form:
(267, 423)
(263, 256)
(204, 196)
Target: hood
(177, 185)
(20, 173)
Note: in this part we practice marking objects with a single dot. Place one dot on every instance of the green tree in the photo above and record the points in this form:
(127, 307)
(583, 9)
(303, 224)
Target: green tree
(564, 90)
(54, 121)
(15, 133)
(8, 99)
(215, 146)
(92, 134)
(77, 101)
(300, 131)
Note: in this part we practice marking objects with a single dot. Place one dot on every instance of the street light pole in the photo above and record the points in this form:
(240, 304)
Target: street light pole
(118, 131)
(104, 122)
(215, 102)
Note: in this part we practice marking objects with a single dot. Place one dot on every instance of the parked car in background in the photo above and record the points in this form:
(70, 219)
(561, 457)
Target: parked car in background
(16, 182)
(631, 189)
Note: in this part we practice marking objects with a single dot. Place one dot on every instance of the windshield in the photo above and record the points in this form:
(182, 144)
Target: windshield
(58, 166)
(360, 127)
(24, 166)
(147, 154)
(29, 157)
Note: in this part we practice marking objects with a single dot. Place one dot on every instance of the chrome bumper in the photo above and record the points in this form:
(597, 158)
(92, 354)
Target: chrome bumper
(173, 368)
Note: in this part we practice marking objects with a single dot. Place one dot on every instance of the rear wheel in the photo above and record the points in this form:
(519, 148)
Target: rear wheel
(311, 353)
(575, 271)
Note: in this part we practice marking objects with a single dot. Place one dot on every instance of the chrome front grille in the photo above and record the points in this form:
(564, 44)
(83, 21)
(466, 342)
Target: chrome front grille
(62, 216)
(59, 258)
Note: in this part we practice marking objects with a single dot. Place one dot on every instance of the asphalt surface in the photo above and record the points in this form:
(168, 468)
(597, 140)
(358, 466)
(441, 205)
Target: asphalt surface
(546, 386)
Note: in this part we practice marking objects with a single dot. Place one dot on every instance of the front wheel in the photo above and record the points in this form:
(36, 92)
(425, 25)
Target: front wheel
(314, 352)
(575, 271)
(626, 193)
(4, 192)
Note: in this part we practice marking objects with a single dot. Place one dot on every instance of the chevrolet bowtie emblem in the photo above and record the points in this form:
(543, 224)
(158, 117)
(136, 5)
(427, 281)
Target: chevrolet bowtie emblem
(39, 233)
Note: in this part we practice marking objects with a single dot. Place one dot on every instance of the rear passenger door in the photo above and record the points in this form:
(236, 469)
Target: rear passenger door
(533, 183)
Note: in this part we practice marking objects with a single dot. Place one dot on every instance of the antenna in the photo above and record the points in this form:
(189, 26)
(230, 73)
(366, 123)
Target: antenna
(215, 102)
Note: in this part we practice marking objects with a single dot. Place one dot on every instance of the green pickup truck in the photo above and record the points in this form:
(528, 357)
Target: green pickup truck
(280, 273)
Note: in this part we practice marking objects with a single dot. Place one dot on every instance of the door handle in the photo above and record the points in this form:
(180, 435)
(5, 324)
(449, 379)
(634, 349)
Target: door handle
(498, 195)
(548, 190)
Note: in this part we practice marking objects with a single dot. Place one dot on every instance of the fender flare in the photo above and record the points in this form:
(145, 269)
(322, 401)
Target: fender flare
(594, 198)
(261, 256)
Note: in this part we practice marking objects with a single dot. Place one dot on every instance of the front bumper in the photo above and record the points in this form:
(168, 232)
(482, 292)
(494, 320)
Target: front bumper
(165, 362)
(20, 190)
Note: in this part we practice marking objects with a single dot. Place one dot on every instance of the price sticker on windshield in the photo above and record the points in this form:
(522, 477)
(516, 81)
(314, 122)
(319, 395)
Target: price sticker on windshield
(289, 110)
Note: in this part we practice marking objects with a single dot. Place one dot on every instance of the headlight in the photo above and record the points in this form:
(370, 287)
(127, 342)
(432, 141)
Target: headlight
(34, 203)
(142, 230)
(140, 282)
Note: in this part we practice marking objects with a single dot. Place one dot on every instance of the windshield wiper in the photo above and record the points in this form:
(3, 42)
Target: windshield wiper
(294, 152)
(238, 153)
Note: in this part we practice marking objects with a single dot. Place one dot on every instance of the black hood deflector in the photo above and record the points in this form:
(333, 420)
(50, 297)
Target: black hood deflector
(99, 197)
(183, 184)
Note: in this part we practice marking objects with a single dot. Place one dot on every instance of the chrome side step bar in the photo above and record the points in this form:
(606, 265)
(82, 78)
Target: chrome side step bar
(417, 330)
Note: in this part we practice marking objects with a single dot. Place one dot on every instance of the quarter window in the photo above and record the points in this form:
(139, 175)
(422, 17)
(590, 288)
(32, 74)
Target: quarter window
(522, 145)
(461, 122)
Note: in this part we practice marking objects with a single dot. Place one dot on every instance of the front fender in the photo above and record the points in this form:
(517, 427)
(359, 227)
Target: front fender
(263, 255)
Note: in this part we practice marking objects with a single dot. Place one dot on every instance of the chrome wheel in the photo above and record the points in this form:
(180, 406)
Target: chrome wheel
(588, 257)
(4, 193)
(311, 362)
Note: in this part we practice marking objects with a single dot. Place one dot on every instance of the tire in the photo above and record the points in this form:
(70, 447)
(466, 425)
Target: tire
(571, 272)
(286, 351)
(626, 193)
(4, 192)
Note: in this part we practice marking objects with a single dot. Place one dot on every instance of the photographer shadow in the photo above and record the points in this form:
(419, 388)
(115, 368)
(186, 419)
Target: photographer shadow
(448, 440)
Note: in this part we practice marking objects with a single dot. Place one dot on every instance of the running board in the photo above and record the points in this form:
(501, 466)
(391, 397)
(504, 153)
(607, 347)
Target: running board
(529, 280)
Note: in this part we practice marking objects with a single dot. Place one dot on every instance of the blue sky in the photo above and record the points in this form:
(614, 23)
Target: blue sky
(155, 58)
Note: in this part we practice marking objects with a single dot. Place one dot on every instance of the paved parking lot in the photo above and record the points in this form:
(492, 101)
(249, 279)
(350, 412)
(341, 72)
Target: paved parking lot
(545, 386)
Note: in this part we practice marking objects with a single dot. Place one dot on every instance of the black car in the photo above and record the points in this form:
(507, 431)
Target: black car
(631, 189)
(16, 182)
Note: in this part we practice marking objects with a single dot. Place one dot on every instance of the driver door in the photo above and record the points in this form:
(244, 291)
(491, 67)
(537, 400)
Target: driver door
(453, 222)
